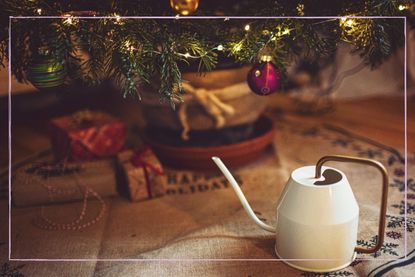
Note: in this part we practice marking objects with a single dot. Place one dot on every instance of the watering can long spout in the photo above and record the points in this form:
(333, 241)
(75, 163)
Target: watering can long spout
(241, 196)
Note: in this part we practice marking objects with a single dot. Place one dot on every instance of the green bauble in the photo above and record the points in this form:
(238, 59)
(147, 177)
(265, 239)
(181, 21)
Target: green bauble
(45, 72)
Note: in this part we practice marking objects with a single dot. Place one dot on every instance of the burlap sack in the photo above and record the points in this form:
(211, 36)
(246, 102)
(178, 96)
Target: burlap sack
(229, 86)
(34, 184)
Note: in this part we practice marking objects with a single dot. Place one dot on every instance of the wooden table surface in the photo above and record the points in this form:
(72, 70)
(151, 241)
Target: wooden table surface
(380, 119)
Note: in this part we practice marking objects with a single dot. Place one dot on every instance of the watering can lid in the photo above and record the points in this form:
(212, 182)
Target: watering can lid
(306, 176)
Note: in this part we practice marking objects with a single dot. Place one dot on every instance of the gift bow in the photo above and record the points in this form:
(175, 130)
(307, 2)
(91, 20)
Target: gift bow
(146, 159)
(210, 102)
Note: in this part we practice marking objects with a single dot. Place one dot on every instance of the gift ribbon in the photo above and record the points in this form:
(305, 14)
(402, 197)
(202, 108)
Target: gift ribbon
(145, 159)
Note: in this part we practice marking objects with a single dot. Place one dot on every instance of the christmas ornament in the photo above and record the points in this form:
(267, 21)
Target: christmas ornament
(46, 72)
(184, 7)
(264, 78)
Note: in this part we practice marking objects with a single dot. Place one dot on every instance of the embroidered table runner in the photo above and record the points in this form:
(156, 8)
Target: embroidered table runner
(200, 228)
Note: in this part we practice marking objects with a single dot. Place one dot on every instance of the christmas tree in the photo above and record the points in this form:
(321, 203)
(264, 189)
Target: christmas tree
(95, 40)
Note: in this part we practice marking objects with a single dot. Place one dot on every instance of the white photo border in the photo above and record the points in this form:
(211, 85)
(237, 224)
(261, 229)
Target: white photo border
(11, 18)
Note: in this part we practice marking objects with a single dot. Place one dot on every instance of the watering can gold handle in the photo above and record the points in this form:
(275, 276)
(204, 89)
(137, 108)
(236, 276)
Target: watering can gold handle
(382, 216)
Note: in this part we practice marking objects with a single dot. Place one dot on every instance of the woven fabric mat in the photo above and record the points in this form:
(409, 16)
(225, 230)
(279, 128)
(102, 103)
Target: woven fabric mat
(201, 218)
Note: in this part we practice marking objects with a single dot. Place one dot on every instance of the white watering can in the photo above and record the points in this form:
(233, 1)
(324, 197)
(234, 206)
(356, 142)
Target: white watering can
(317, 216)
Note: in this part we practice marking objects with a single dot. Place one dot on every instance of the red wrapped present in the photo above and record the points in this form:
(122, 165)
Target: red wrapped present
(143, 174)
(86, 135)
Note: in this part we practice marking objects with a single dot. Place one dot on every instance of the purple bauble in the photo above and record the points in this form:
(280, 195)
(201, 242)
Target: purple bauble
(264, 78)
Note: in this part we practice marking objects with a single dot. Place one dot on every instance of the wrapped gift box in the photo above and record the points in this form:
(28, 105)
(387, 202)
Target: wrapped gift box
(142, 173)
(86, 135)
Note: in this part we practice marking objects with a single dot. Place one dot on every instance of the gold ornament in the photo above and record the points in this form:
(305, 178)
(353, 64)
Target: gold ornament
(184, 7)
(300, 9)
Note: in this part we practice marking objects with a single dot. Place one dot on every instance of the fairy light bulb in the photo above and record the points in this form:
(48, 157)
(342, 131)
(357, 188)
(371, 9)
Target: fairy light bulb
(128, 46)
(187, 55)
(118, 19)
(237, 47)
(402, 7)
(220, 47)
(70, 19)
(39, 11)
(348, 25)
(349, 22)
(247, 27)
